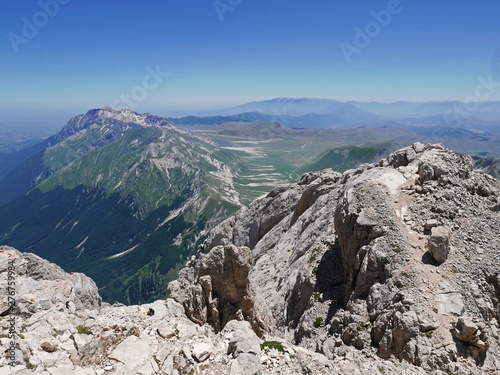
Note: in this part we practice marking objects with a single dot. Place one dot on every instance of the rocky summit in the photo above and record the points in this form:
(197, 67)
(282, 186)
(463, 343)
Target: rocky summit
(390, 268)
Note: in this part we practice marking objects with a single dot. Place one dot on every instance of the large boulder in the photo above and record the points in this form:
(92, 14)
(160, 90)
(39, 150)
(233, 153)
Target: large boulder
(439, 243)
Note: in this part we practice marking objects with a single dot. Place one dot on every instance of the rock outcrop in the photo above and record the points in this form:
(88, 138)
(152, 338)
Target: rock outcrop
(389, 268)
(96, 338)
(35, 276)
(217, 289)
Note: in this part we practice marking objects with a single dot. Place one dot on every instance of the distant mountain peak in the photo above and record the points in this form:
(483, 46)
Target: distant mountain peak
(108, 114)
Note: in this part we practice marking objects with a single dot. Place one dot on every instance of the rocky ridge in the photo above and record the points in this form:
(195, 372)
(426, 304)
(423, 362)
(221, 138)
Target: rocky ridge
(390, 268)
(345, 260)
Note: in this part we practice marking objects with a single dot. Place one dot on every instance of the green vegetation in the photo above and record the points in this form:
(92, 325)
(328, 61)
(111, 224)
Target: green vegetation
(361, 326)
(317, 296)
(348, 157)
(267, 345)
(83, 330)
(29, 366)
(93, 209)
(318, 322)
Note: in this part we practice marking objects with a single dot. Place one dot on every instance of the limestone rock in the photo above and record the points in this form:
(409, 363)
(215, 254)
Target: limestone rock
(36, 275)
(201, 351)
(431, 223)
(468, 331)
(244, 347)
(223, 291)
(439, 243)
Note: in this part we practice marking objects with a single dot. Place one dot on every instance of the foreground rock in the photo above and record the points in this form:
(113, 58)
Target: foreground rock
(439, 243)
(102, 339)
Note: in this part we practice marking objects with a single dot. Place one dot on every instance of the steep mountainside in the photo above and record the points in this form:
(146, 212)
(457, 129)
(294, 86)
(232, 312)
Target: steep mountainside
(390, 268)
(120, 196)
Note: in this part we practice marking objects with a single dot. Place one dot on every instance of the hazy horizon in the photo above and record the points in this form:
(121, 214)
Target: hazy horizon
(170, 58)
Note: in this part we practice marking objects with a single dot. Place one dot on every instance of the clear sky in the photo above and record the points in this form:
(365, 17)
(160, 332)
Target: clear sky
(90, 53)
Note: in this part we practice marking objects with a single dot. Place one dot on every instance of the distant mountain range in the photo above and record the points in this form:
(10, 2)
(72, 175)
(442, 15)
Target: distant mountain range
(328, 113)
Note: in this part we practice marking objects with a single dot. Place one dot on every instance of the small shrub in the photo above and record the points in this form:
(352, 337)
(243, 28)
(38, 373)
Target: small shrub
(361, 326)
(312, 259)
(315, 270)
(428, 334)
(267, 345)
(83, 330)
(29, 366)
(317, 296)
(397, 250)
(318, 322)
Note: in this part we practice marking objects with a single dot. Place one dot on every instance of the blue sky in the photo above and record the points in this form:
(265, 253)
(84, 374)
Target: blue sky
(90, 53)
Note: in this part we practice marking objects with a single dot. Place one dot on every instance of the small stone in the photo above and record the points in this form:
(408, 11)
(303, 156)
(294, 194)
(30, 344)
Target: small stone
(201, 351)
(166, 331)
(431, 223)
(49, 347)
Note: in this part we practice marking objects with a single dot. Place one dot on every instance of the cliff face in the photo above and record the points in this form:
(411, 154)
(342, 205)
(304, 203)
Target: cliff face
(390, 268)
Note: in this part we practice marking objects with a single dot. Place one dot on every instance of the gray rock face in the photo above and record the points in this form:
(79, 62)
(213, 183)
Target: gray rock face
(223, 291)
(35, 275)
(244, 346)
(439, 243)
